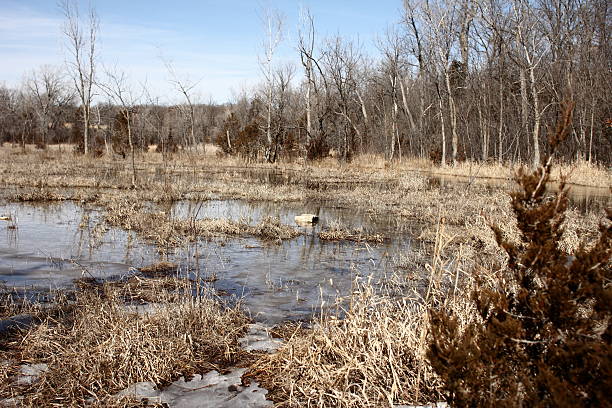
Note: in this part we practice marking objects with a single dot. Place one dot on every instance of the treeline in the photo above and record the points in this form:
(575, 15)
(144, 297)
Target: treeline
(453, 80)
(55, 117)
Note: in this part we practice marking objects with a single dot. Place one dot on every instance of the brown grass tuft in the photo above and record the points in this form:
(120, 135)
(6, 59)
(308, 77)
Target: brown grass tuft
(370, 350)
(167, 232)
(370, 355)
(99, 346)
(337, 232)
(159, 269)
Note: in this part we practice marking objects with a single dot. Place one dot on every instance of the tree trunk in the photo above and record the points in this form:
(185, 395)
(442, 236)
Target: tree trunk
(453, 117)
(192, 125)
(500, 125)
(484, 132)
(464, 34)
(269, 125)
(85, 129)
(443, 160)
(394, 128)
(364, 112)
(537, 117)
(524, 100)
(405, 103)
(308, 105)
(591, 134)
(129, 131)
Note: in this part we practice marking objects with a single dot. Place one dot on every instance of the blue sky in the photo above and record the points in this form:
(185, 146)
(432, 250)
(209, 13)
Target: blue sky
(215, 43)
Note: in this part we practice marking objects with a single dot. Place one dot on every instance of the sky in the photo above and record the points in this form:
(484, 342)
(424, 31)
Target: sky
(214, 44)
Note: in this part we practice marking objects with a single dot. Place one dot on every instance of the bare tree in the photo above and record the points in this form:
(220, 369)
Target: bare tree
(49, 94)
(532, 48)
(439, 37)
(306, 45)
(81, 45)
(342, 61)
(185, 87)
(466, 17)
(280, 121)
(118, 89)
(11, 123)
(415, 44)
(273, 24)
(473, 78)
(392, 68)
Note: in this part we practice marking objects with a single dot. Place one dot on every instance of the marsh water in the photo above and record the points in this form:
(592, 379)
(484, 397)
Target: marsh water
(48, 246)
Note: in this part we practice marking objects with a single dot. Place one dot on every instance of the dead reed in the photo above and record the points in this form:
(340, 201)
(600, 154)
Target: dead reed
(99, 345)
(369, 350)
(337, 232)
(166, 231)
(394, 190)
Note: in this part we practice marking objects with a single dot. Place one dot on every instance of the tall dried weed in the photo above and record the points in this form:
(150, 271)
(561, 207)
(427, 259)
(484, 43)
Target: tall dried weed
(99, 345)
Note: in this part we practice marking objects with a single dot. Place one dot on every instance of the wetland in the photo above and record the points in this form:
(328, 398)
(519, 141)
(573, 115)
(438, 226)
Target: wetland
(219, 243)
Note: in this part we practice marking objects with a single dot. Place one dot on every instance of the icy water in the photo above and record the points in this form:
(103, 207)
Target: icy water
(48, 246)
(293, 278)
(54, 244)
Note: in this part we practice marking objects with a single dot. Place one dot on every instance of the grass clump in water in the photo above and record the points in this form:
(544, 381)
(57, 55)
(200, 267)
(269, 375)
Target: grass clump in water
(99, 346)
(370, 354)
(166, 231)
(337, 232)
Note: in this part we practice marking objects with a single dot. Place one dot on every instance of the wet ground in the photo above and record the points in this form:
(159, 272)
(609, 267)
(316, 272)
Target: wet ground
(53, 244)
(583, 198)
(48, 246)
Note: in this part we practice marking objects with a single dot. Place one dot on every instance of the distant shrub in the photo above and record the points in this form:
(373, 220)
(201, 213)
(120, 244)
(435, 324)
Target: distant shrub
(168, 144)
(543, 338)
(226, 137)
(317, 149)
(99, 146)
(119, 138)
(435, 155)
(248, 141)
(76, 137)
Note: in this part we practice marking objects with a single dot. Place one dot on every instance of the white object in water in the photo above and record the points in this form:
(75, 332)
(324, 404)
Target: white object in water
(306, 219)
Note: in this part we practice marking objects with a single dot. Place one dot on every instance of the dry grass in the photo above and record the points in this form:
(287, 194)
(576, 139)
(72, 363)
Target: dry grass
(159, 270)
(580, 172)
(372, 357)
(13, 302)
(337, 232)
(369, 353)
(62, 169)
(169, 232)
(390, 191)
(37, 195)
(370, 350)
(98, 346)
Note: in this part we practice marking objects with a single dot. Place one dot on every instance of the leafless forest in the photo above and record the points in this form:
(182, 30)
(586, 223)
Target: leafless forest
(452, 81)
(422, 222)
